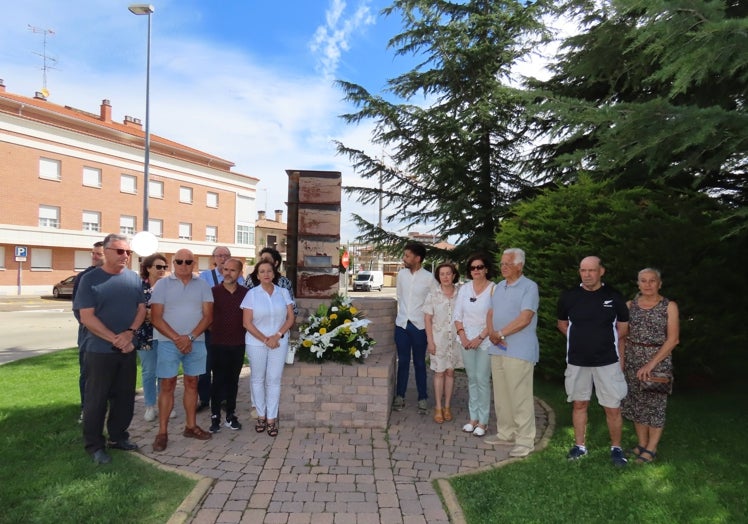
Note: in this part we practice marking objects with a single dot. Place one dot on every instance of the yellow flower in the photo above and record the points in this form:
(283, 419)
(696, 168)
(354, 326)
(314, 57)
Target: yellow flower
(352, 351)
(307, 343)
(322, 331)
(347, 321)
(353, 310)
(333, 316)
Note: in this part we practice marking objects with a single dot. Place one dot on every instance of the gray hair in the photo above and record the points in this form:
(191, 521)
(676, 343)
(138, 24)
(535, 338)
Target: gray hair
(221, 247)
(518, 256)
(113, 237)
(650, 270)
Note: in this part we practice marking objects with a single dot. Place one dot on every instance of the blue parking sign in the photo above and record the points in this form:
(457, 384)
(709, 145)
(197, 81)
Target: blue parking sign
(22, 251)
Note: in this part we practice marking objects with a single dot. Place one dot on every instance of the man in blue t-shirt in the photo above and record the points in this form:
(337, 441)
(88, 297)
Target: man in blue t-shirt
(594, 317)
(111, 304)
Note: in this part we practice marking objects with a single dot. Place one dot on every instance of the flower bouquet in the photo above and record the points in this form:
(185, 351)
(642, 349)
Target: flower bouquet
(336, 333)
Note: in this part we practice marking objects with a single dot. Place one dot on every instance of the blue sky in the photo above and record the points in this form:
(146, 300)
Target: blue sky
(250, 81)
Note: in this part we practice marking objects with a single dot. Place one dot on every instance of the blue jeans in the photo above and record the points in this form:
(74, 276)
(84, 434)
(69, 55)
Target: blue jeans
(411, 340)
(148, 362)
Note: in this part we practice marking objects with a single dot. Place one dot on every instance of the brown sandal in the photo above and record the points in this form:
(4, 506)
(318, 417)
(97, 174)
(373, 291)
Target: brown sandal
(160, 443)
(198, 433)
(447, 413)
(438, 416)
(261, 425)
(273, 429)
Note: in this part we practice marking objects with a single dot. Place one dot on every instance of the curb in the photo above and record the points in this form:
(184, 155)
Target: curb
(192, 501)
(452, 505)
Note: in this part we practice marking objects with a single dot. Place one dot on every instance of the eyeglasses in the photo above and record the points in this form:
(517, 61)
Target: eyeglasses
(222, 255)
(121, 251)
(180, 262)
(507, 264)
(477, 268)
(160, 267)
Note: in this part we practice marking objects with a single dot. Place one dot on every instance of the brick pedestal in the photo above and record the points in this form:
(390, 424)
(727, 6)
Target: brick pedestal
(341, 395)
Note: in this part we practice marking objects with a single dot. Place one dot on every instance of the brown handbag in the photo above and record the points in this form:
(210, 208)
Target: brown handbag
(658, 383)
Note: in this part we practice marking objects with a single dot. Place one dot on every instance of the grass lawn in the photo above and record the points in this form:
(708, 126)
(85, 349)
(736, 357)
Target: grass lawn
(700, 475)
(46, 476)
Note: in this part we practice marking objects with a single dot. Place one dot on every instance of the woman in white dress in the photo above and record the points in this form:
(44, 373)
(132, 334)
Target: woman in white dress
(445, 353)
(471, 308)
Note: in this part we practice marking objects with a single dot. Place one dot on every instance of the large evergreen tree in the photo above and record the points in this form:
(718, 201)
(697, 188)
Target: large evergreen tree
(651, 93)
(457, 128)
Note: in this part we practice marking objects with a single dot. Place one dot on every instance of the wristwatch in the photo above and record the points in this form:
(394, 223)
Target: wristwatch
(191, 337)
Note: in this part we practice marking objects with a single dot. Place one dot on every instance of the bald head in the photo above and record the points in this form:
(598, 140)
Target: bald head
(591, 271)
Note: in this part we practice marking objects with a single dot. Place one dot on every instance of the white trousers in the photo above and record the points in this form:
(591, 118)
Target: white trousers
(265, 379)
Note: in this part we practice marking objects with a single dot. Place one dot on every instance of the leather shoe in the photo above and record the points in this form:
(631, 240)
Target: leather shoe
(101, 457)
(124, 445)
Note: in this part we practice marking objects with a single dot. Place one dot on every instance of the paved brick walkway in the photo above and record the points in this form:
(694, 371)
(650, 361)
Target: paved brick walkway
(327, 475)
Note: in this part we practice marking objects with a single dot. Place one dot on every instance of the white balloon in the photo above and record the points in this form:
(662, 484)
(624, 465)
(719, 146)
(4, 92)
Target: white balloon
(144, 243)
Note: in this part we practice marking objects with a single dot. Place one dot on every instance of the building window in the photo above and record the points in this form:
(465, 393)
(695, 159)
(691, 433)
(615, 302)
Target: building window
(156, 227)
(2, 257)
(245, 235)
(91, 177)
(211, 234)
(49, 216)
(49, 169)
(91, 221)
(82, 260)
(272, 241)
(128, 184)
(185, 194)
(155, 189)
(185, 231)
(212, 199)
(127, 224)
(41, 258)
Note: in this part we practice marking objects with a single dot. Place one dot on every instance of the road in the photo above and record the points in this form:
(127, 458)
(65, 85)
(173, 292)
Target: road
(31, 326)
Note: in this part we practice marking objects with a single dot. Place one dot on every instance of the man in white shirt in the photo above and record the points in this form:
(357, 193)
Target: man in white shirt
(413, 285)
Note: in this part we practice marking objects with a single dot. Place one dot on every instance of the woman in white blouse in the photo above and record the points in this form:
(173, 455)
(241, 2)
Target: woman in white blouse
(268, 316)
(473, 303)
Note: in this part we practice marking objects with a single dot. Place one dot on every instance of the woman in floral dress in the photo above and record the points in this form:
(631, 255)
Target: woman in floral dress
(653, 334)
(444, 350)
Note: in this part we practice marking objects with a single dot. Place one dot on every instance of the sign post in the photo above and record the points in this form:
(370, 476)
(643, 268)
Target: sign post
(21, 252)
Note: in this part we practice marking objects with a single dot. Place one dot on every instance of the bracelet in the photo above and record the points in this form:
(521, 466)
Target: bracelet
(130, 329)
(280, 334)
(501, 335)
(458, 331)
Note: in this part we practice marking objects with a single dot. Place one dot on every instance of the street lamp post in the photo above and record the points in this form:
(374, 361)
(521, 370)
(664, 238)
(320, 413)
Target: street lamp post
(146, 9)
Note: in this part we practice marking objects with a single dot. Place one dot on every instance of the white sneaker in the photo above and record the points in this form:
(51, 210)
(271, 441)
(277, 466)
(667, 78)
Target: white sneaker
(479, 431)
(150, 413)
(468, 428)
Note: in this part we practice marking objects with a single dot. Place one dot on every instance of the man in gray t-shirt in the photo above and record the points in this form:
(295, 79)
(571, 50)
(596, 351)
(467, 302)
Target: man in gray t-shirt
(111, 304)
(181, 311)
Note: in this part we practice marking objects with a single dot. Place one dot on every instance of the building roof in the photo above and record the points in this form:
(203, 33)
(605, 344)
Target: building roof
(130, 132)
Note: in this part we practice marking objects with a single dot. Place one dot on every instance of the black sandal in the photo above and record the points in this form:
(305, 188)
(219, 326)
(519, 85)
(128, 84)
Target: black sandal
(261, 425)
(273, 429)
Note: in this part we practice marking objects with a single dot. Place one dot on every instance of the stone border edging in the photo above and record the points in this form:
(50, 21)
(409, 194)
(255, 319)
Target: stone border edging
(451, 503)
(186, 510)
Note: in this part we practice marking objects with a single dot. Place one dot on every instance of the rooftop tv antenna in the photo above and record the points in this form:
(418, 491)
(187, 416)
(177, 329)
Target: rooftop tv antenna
(47, 61)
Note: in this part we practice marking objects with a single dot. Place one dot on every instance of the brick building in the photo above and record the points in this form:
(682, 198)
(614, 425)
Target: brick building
(271, 233)
(69, 177)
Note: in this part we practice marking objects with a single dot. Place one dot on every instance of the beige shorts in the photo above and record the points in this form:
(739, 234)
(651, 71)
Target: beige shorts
(609, 382)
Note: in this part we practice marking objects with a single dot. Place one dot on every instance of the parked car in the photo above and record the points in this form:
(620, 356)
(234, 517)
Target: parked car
(368, 281)
(64, 288)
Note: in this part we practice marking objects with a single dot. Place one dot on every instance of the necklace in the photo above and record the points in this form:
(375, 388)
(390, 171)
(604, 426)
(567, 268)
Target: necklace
(476, 292)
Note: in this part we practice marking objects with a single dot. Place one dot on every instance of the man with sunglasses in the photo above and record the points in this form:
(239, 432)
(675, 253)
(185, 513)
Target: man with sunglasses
(111, 303)
(181, 311)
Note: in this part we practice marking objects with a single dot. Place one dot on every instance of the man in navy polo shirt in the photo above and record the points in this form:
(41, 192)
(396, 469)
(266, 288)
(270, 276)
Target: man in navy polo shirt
(594, 317)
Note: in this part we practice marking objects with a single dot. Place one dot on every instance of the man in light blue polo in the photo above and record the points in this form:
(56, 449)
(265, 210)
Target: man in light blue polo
(512, 323)
(181, 311)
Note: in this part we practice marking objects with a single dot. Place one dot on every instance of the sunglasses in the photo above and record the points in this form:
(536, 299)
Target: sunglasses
(160, 267)
(180, 262)
(121, 251)
(477, 268)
